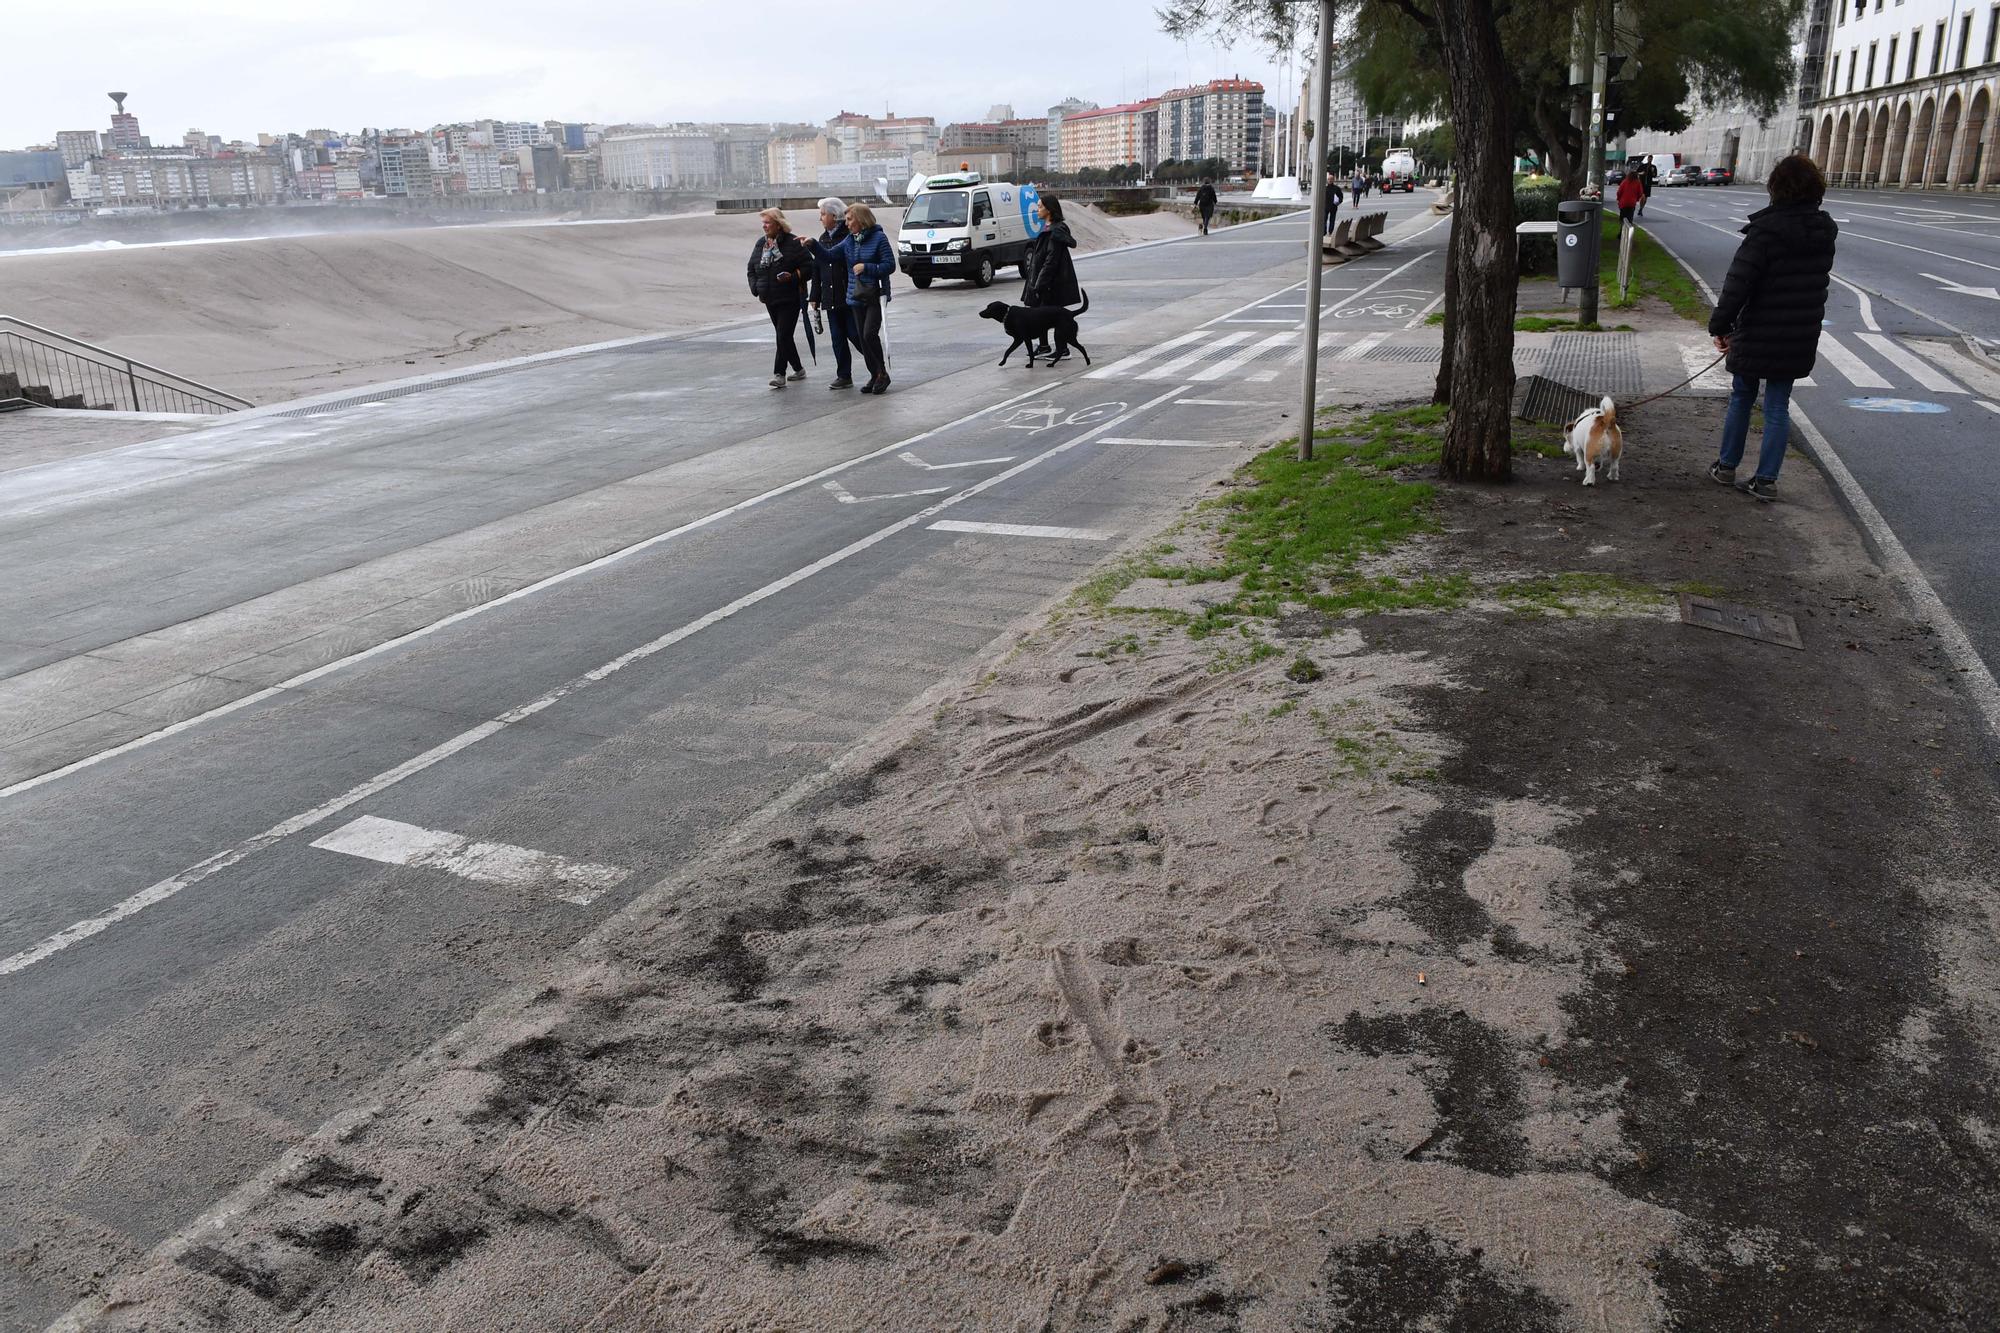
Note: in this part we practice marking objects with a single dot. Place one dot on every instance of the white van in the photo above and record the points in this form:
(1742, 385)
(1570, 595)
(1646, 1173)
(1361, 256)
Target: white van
(959, 226)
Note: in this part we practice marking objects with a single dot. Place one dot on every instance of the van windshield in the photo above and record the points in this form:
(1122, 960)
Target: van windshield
(937, 210)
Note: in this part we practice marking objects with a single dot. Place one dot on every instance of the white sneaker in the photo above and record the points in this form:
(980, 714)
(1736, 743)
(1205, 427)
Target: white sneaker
(777, 381)
(796, 375)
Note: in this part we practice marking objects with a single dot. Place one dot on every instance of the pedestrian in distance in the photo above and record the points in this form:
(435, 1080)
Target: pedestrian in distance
(1333, 201)
(1204, 202)
(1631, 193)
(1768, 319)
(1051, 271)
(867, 259)
(829, 291)
(779, 271)
(1647, 171)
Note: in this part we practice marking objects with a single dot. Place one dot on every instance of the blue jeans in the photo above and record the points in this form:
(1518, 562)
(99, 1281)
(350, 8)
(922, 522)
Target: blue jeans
(840, 329)
(1777, 425)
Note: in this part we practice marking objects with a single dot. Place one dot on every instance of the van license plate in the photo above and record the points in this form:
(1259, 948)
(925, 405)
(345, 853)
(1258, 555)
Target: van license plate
(944, 259)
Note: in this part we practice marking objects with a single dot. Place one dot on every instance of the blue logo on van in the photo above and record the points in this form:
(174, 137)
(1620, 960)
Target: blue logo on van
(1030, 196)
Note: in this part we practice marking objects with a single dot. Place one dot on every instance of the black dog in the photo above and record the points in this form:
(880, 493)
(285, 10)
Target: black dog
(1027, 324)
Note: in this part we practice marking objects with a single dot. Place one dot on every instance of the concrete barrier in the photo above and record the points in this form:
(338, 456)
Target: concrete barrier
(1333, 249)
(1357, 244)
(1371, 227)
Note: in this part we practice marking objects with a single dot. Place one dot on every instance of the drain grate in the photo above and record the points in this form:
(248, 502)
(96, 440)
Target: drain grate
(1553, 404)
(1744, 621)
(1600, 363)
(1432, 355)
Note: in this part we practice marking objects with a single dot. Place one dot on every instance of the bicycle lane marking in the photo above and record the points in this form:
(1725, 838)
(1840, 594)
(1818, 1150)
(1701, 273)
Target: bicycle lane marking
(173, 885)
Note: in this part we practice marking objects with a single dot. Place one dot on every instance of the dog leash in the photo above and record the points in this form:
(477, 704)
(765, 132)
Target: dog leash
(1682, 385)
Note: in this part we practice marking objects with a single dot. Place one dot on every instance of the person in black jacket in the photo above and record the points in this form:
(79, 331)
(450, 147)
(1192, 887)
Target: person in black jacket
(1051, 271)
(1204, 202)
(829, 293)
(778, 272)
(1768, 319)
(1333, 198)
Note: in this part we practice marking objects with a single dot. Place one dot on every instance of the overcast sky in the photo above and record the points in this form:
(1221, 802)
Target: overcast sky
(237, 67)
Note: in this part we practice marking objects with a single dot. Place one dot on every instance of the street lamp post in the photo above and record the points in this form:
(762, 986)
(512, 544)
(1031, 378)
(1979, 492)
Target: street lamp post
(1315, 260)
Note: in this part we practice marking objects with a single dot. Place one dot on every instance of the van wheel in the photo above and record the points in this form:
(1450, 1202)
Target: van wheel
(920, 281)
(983, 275)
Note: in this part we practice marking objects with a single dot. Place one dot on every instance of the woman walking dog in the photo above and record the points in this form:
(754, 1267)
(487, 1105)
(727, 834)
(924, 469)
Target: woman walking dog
(1051, 278)
(1768, 319)
(869, 259)
(778, 269)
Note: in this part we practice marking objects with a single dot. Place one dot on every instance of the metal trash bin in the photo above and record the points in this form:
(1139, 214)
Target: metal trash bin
(1577, 240)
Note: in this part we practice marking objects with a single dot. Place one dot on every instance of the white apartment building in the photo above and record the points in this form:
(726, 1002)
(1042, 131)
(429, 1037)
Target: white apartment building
(480, 161)
(1221, 118)
(1069, 106)
(795, 159)
(1107, 136)
(77, 146)
(1904, 92)
(658, 160)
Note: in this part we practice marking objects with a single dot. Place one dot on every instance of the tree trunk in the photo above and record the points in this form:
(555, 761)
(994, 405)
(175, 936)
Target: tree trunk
(1562, 146)
(1478, 440)
(1441, 393)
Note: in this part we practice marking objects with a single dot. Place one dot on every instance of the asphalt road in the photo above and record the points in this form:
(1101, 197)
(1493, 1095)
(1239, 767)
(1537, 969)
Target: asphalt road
(1912, 418)
(324, 724)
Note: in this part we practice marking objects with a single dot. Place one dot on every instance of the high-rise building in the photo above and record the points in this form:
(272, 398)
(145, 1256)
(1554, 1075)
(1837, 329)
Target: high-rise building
(1350, 123)
(853, 132)
(420, 179)
(196, 142)
(1067, 107)
(395, 182)
(1110, 136)
(1222, 118)
(545, 164)
(76, 146)
(1000, 111)
(643, 159)
(795, 159)
(480, 161)
(1026, 140)
(124, 126)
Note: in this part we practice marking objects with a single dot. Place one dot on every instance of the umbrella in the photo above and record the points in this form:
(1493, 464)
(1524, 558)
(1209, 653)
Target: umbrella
(805, 318)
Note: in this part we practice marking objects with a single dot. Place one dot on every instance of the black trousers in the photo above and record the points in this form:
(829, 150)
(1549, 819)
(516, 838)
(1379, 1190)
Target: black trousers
(867, 317)
(1206, 214)
(785, 322)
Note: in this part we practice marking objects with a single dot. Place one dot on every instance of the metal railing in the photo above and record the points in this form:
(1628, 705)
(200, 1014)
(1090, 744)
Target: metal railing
(55, 370)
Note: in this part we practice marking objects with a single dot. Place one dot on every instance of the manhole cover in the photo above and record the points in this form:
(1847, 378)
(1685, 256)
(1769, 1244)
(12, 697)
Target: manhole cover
(1744, 621)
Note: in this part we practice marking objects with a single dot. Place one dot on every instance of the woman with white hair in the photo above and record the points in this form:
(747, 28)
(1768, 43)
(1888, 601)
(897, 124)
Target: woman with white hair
(779, 270)
(867, 259)
(830, 291)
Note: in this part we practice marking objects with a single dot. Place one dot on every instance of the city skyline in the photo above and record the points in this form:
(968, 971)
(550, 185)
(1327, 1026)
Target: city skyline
(236, 70)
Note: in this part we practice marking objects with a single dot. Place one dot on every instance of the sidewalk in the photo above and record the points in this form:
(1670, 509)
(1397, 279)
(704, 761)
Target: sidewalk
(1363, 905)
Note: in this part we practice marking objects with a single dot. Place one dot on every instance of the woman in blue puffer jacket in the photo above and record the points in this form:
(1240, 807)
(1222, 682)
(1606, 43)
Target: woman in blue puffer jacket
(871, 259)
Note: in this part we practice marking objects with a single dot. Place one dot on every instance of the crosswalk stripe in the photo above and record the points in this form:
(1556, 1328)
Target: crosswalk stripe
(1848, 364)
(1360, 347)
(1174, 367)
(1923, 372)
(1327, 339)
(1243, 357)
(1140, 358)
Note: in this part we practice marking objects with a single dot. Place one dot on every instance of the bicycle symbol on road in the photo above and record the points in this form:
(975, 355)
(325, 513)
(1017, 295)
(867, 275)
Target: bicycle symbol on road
(1038, 417)
(1389, 305)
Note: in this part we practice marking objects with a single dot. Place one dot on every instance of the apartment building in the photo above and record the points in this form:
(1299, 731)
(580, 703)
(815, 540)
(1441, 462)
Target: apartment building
(1221, 118)
(1901, 92)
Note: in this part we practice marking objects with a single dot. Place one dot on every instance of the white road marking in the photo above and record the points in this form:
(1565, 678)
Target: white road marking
(1425, 313)
(914, 461)
(1935, 254)
(1327, 338)
(1867, 307)
(1182, 362)
(222, 860)
(1990, 407)
(1241, 358)
(1217, 402)
(528, 590)
(1022, 530)
(1848, 364)
(1175, 444)
(1140, 358)
(1293, 322)
(847, 497)
(1360, 347)
(1960, 289)
(1919, 370)
(394, 843)
(1695, 359)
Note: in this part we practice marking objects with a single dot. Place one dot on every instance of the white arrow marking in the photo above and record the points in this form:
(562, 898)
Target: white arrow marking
(847, 497)
(914, 461)
(1960, 288)
(399, 844)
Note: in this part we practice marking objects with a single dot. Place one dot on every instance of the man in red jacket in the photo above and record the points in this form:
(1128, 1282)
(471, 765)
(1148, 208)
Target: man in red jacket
(1631, 191)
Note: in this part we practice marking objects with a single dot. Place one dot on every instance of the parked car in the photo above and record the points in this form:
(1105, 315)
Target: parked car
(1685, 174)
(1718, 176)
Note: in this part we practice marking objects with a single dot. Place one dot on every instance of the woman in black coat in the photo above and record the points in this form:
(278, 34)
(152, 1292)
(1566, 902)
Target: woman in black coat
(1051, 271)
(777, 270)
(1768, 319)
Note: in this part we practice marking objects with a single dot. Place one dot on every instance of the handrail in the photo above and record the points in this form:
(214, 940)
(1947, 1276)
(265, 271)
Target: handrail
(130, 363)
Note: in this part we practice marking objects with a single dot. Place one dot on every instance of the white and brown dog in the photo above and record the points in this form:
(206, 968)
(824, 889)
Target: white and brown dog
(1596, 441)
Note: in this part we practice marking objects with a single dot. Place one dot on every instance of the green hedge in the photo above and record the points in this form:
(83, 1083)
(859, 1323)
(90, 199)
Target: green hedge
(1537, 203)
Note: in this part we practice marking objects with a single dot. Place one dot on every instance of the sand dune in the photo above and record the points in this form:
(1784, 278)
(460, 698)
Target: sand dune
(286, 317)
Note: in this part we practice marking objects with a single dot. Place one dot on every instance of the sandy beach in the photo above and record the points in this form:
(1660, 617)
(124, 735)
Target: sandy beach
(279, 318)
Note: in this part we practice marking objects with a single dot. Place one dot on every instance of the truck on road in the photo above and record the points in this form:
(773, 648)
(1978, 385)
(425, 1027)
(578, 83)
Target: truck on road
(1399, 171)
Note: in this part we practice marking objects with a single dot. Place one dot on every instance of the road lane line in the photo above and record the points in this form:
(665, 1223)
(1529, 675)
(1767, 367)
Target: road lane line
(1848, 364)
(1022, 530)
(1867, 307)
(1990, 407)
(527, 590)
(1141, 357)
(1917, 369)
(1174, 444)
(222, 860)
(1217, 402)
(392, 842)
(847, 497)
(914, 461)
